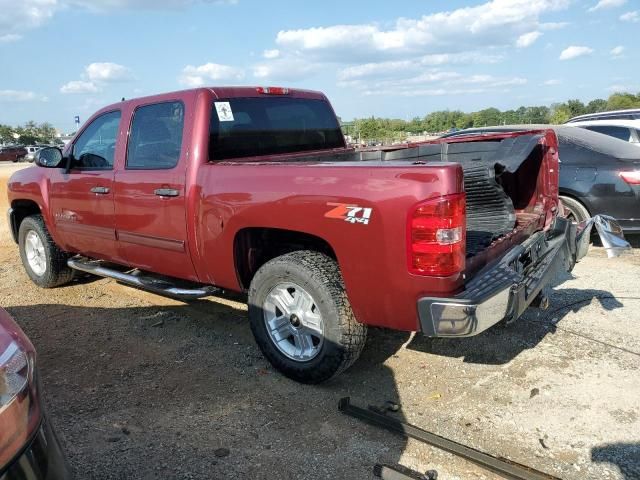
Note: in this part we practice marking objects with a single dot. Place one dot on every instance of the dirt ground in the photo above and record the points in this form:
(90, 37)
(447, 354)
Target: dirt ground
(140, 386)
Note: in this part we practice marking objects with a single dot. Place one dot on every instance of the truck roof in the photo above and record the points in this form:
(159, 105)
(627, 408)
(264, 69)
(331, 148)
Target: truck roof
(219, 92)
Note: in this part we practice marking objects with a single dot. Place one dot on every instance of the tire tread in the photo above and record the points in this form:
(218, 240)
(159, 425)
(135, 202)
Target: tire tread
(353, 334)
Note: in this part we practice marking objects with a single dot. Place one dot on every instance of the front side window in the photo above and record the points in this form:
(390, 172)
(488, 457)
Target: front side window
(155, 140)
(96, 146)
(257, 126)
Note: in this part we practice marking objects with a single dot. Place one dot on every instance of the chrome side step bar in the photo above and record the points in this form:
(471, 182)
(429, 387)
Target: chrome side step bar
(146, 282)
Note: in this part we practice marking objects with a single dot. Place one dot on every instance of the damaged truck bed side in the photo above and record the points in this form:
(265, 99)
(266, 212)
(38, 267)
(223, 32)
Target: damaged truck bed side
(254, 190)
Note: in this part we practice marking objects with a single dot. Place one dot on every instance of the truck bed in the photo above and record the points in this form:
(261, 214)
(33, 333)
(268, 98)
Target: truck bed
(502, 179)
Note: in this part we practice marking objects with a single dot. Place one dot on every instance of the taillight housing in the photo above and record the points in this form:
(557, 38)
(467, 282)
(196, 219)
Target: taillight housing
(632, 177)
(20, 411)
(436, 231)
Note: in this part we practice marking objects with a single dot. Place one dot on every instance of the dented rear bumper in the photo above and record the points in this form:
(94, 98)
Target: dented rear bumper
(502, 291)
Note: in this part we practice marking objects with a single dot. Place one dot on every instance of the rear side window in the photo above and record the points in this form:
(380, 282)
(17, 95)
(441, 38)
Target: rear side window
(618, 132)
(96, 145)
(250, 127)
(155, 140)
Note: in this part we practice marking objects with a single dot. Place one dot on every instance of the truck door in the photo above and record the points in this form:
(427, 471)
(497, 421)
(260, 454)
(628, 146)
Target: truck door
(150, 200)
(81, 201)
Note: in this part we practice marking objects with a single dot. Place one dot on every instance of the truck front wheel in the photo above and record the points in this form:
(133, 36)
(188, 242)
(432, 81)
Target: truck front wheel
(301, 317)
(43, 261)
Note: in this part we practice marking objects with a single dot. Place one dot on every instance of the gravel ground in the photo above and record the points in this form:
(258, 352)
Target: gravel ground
(140, 386)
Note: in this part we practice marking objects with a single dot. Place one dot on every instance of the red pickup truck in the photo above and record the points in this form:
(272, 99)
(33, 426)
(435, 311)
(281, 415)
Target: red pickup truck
(254, 190)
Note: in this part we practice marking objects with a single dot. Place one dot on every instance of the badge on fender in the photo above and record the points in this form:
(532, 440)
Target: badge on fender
(349, 213)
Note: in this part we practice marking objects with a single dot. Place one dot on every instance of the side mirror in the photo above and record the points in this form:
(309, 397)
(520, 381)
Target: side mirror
(48, 157)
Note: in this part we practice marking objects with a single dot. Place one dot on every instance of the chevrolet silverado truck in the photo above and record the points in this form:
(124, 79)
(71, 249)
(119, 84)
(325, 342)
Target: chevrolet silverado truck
(253, 190)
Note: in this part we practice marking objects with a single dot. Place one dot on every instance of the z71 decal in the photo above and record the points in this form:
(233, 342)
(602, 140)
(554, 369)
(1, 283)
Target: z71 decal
(349, 213)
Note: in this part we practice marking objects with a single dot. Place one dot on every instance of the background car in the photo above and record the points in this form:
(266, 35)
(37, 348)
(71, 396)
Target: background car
(29, 448)
(629, 114)
(626, 130)
(599, 174)
(13, 153)
(31, 151)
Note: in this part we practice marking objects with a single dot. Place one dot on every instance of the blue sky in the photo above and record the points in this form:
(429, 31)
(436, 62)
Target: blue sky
(61, 58)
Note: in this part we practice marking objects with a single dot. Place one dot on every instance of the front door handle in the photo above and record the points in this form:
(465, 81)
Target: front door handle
(100, 190)
(166, 192)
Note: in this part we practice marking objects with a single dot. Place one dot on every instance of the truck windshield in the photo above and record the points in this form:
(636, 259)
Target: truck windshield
(249, 127)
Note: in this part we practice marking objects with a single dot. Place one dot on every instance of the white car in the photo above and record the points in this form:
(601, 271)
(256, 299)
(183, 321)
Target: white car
(31, 152)
(627, 130)
(628, 114)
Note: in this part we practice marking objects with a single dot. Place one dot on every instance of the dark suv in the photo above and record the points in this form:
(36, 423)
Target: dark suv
(12, 153)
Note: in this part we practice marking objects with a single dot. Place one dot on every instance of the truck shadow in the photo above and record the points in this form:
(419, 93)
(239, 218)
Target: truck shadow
(626, 456)
(128, 382)
(501, 344)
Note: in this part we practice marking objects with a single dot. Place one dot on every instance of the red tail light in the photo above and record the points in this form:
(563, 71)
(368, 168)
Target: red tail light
(436, 236)
(273, 90)
(632, 178)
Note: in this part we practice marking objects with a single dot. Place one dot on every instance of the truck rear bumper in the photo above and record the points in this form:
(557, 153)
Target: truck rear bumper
(504, 289)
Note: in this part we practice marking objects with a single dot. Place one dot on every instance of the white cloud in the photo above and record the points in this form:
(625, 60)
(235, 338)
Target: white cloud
(527, 39)
(106, 5)
(494, 23)
(274, 53)
(574, 52)
(96, 76)
(633, 17)
(551, 82)
(10, 37)
(623, 88)
(602, 4)
(456, 84)
(193, 76)
(394, 68)
(20, 96)
(553, 25)
(617, 52)
(432, 82)
(17, 16)
(286, 69)
(107, 72)
(79, 86)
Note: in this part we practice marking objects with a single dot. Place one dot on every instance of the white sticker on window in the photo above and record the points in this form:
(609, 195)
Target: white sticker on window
(225, 114)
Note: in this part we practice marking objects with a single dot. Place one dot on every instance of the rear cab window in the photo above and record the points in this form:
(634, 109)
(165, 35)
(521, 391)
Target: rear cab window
(258, 126)
(155, 139)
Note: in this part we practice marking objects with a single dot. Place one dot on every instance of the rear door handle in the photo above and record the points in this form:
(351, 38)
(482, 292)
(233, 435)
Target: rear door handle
(166, 192)
(100, 190)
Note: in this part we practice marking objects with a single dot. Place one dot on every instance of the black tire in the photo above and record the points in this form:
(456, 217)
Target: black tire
(320, 276)
(56, 270)
(574, 210)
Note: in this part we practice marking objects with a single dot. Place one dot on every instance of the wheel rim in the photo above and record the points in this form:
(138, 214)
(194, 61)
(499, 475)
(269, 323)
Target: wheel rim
(34, 250)
(293, 322)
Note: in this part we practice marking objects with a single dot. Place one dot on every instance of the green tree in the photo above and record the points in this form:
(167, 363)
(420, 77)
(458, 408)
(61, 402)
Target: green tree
(560, 113)
(575, 107)
(597, 105)
(621, 101)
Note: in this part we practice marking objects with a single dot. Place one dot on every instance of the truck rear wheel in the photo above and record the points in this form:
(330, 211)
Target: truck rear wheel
(301, 318)
(43, 261)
